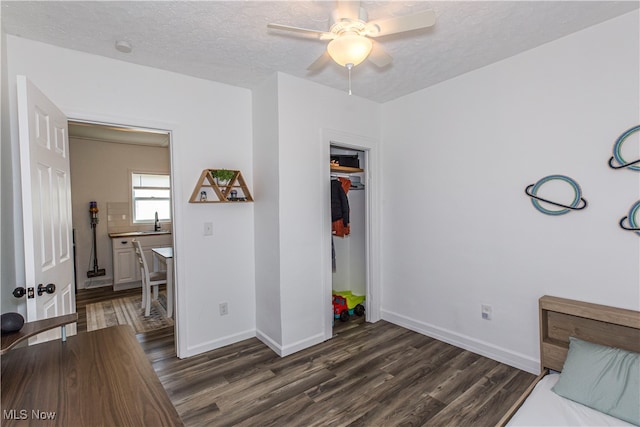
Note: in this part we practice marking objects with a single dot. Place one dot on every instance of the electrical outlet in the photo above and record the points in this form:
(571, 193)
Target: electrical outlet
(224, 309)
(208, 229)
(486, 311)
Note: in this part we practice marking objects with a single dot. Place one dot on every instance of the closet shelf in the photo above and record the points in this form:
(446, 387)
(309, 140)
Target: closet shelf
(221, 192)
(345, 169)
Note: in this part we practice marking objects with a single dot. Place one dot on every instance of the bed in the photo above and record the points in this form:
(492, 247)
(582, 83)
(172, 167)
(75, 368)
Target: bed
(588, 337)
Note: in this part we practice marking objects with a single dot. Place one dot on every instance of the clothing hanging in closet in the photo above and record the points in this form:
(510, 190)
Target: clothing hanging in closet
(340, 207)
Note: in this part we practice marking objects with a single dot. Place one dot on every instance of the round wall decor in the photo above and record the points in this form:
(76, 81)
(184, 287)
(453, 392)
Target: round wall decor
(617, 155)
(577, 203)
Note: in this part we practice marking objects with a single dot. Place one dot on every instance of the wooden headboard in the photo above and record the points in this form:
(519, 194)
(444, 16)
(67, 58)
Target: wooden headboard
(562, 318)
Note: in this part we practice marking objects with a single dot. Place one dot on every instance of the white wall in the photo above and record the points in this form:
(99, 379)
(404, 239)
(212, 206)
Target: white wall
(211, 128)
(461, 232)
(305, 111)
(267, 211)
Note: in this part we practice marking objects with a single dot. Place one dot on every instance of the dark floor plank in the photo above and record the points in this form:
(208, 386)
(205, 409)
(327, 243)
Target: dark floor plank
(408, 409)
(282, 414)
(253, 402)
(466, 408)
(462, 380)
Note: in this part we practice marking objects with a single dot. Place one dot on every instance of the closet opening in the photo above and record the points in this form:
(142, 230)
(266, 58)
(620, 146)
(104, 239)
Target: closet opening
(348, 235)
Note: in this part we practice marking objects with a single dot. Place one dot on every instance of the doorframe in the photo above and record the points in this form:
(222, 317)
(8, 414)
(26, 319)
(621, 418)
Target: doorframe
(372, 188)
(180, 335)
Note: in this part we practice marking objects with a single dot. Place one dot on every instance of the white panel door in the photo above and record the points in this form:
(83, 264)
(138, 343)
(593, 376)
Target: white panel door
(46, 207)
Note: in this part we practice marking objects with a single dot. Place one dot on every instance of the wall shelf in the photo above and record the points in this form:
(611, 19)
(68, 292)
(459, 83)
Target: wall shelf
(220, 193)
(345, 169)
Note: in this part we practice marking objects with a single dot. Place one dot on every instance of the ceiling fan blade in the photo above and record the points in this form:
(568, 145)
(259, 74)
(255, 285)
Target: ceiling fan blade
(400, 24)
(379, 57)
(322, 35)
(319, 63)
(348, 9)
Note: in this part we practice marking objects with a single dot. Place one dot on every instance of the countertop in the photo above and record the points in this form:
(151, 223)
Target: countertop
(138, 233)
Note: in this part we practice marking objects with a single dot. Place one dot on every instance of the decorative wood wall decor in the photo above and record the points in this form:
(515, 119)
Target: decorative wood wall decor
(617, 156)
(633, 218)
(234, 190)
(578, 203)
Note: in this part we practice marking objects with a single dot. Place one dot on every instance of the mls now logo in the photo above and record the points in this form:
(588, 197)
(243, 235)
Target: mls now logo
(23, 414)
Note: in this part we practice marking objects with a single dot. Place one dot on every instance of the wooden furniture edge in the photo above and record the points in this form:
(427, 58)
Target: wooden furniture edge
(553, 352)
(518, 403)
(604, 313)
(66, 382)
(31, 329)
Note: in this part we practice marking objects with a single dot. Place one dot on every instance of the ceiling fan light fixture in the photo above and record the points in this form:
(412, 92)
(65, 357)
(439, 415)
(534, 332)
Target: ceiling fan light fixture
(349, 49)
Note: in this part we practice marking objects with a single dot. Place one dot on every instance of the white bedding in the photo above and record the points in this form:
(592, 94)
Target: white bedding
(545, 408)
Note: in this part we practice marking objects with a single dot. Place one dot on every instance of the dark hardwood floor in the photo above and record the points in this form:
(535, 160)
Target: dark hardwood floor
(367, 375)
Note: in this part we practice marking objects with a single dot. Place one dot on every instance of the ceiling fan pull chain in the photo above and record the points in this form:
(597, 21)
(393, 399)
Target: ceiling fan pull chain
(349, 67)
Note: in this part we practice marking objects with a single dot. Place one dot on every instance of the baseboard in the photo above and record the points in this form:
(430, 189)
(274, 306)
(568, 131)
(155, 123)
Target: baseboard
(127, 286)
(286, 350)
(97, 282)
(517, 360)
(280, 350)
(302, 344)
(221, 342)
(269, 342)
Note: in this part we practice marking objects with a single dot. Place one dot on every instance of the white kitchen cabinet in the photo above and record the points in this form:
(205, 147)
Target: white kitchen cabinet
(126, 270)
(125, 265)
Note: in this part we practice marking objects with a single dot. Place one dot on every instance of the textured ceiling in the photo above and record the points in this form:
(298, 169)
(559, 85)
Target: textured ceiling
(228, 41)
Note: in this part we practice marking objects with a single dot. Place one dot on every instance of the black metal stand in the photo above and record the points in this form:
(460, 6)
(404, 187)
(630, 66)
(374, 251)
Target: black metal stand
(96, 271)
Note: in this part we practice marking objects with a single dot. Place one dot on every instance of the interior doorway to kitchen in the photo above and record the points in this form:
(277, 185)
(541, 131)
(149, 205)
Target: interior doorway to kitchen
(105, 159)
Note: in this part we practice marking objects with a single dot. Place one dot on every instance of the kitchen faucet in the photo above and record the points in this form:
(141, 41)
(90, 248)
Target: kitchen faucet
(156, 226)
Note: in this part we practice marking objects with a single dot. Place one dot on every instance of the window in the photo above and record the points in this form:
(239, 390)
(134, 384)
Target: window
(151, 194)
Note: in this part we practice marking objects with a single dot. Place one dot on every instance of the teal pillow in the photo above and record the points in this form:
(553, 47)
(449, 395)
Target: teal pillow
(603, 378)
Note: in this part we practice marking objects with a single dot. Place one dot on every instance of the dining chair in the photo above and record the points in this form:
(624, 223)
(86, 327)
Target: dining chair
(149, 279)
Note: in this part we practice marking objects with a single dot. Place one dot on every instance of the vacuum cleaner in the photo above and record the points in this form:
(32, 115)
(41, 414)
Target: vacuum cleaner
(93, 212)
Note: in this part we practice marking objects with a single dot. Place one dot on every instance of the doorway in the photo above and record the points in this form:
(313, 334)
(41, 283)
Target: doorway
(348, 243)
(368, 150)
(105, 160)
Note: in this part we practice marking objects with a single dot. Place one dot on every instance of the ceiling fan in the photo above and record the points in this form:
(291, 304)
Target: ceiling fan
(350, 34)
